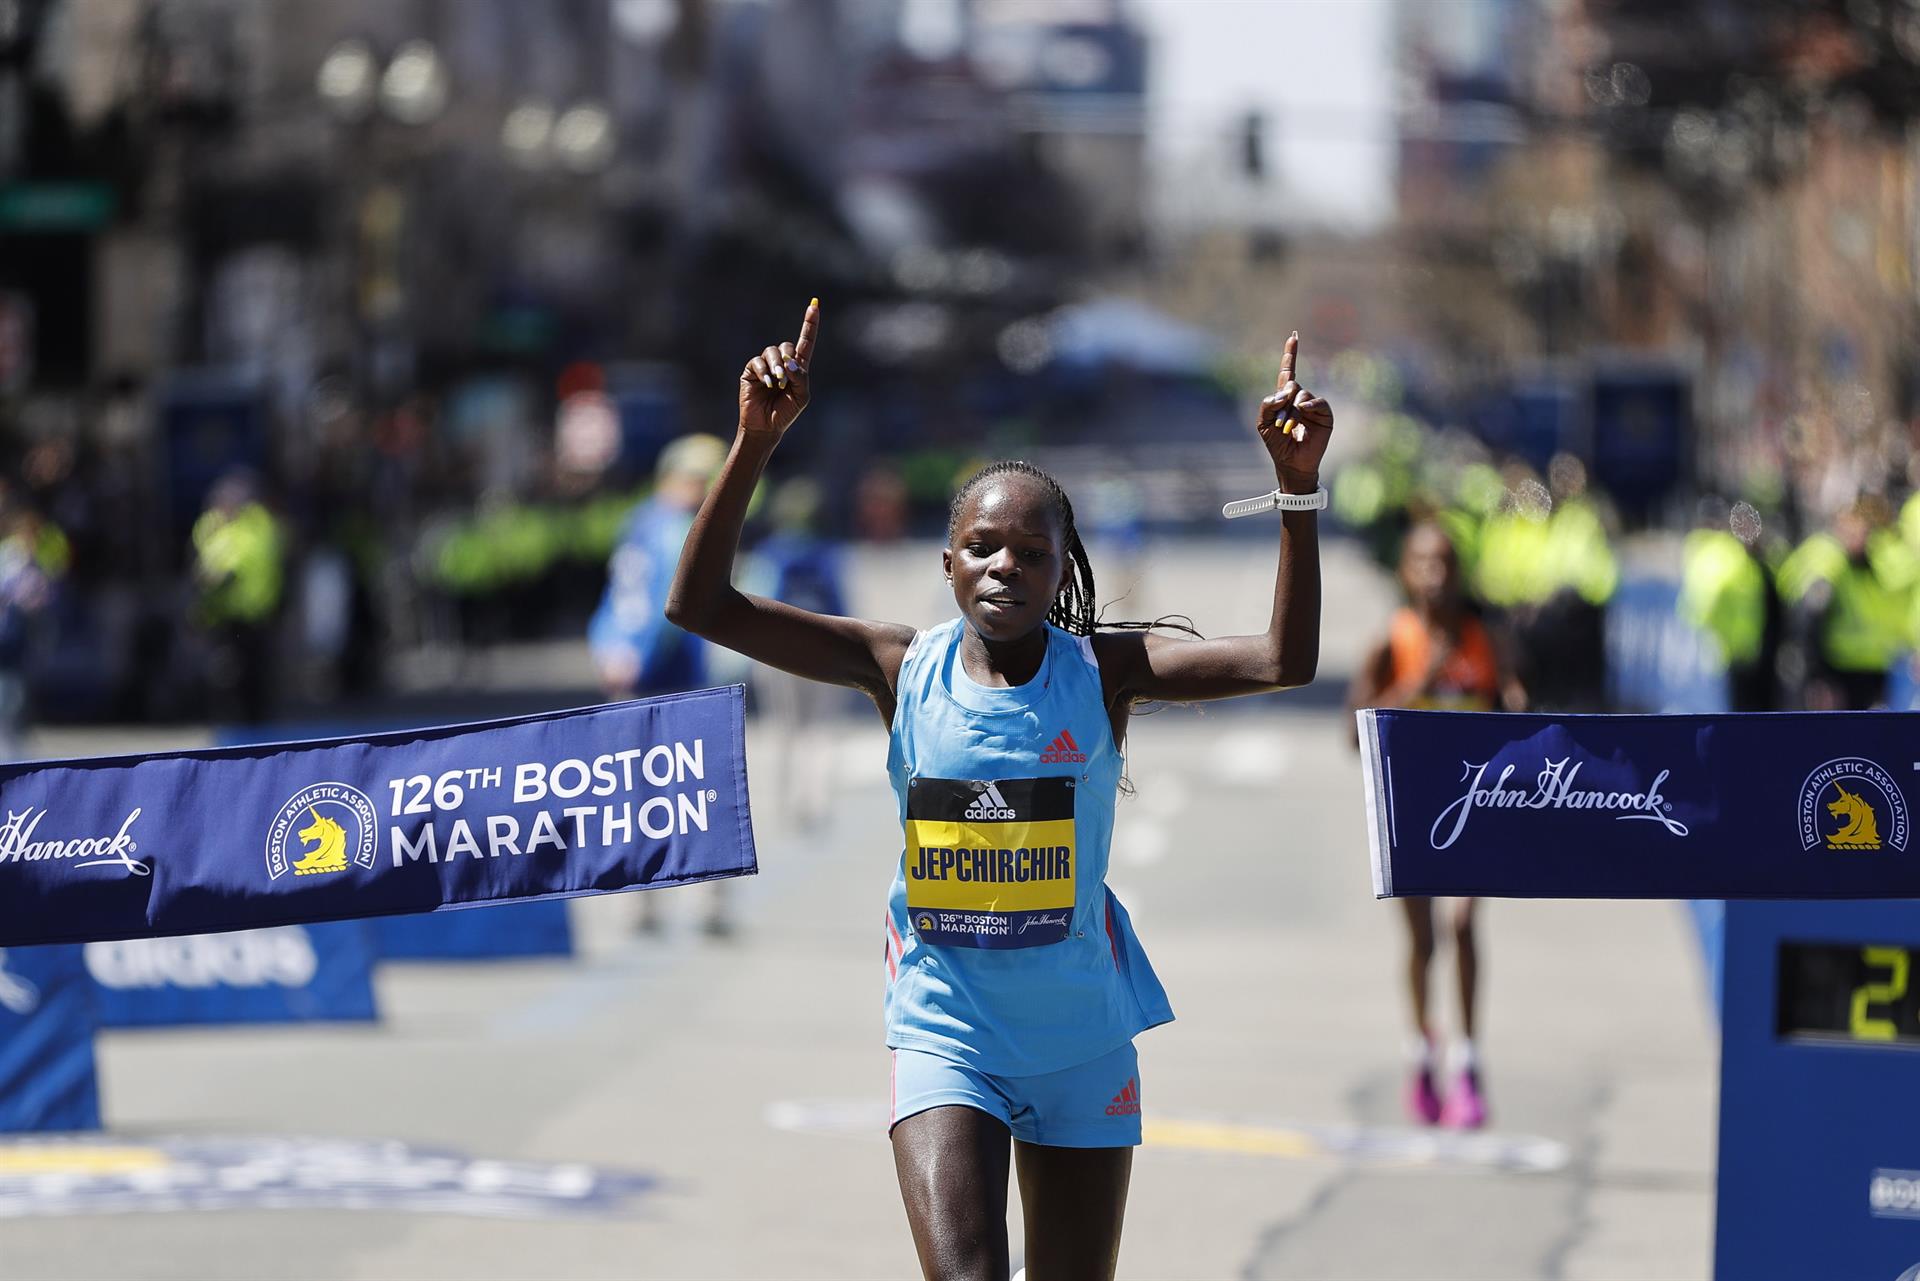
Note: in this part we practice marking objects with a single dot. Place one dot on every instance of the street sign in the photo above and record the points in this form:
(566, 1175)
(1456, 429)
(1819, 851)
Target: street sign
(56, 206)
(1641, 418)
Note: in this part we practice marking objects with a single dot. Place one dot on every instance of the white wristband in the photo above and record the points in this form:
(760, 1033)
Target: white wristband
(1278, 500)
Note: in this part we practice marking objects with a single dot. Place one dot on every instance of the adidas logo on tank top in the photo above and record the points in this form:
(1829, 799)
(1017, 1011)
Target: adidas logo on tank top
(1063, 751)
(989, 806)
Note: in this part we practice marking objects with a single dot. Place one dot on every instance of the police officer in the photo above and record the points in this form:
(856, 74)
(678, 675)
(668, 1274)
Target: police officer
(1854, 607)
(1727, 591)
(239, 570)
(1583, 576)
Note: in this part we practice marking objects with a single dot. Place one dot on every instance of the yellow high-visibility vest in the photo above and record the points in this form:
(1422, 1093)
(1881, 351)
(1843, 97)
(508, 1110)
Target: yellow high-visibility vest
(1723, 592)
(239, 555)
(1866, 625)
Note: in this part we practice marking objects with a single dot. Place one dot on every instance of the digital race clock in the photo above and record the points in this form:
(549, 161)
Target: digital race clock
(1850, 992)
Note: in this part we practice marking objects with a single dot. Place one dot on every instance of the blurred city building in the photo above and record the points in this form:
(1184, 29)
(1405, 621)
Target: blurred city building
(448, 276)
(1708, 206)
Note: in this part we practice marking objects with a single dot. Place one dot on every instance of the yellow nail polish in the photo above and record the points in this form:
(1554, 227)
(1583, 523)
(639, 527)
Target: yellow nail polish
(814, 303)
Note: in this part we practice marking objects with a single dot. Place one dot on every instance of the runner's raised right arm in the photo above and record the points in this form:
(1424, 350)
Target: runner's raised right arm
(774, 389)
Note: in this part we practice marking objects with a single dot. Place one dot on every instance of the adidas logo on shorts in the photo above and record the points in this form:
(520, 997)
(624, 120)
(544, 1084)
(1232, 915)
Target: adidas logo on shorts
(989, 805)
(1127, 1102)
(1063, 751)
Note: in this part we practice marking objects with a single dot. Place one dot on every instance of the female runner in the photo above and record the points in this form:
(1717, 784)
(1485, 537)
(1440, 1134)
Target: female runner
(1015, 984)
(1436, 654)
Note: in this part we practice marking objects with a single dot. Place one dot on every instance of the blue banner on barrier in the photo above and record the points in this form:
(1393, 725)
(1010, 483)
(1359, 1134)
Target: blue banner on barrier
(539, 927)
(281, 974)
(511, 929)
(1903, 685)
(652, 792)
(1794, 805)
(46, 1041)
(1656, 660)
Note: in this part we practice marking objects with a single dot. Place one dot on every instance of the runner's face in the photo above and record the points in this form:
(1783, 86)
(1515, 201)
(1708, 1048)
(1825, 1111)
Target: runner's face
(1428, 569)
(1006, 561)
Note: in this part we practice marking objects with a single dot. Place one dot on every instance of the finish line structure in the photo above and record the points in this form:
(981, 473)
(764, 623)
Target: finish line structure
(1787, 815)
(1778, 805)
(592, 801)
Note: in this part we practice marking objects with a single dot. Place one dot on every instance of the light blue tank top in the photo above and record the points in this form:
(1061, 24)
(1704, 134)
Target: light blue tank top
(1005, 949)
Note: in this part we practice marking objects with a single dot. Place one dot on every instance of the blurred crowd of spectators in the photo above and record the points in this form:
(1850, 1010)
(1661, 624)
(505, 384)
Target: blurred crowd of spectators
(1821, 618)
(383, 555)
(283, 585)
(390, 539)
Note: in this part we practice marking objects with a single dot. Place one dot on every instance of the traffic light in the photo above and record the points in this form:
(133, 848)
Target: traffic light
(1253, 145)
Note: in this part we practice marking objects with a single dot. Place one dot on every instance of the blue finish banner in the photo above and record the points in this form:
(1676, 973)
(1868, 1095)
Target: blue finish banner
(1656, 660)
(596, 800)
(47, 1080)
(281, 974)
(539, 928)
(1784, 805)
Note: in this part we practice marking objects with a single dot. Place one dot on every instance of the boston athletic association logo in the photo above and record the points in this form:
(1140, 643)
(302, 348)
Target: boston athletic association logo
(322, 829)
(1850, 803)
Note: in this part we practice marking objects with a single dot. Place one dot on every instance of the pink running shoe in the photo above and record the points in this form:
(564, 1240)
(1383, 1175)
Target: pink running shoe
(1423, 1101)
(1466, 1106)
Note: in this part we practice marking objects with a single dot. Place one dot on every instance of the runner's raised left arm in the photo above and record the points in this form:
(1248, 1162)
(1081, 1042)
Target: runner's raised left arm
(1295, 426)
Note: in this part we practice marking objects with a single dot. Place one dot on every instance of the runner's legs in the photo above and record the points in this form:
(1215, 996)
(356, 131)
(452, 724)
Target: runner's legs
(1074, 1201)
(1419, 914)
(952, 1165)
(1466, 960)
(1423, 1091)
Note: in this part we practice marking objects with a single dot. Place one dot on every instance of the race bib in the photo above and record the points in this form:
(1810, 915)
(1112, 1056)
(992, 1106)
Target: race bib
(990, 863)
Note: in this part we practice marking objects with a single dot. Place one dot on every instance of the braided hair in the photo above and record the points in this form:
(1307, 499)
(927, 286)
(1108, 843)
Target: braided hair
(1073, 609)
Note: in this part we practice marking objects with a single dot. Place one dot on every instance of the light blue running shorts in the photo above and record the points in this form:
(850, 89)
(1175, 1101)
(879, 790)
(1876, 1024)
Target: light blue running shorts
(1089, 1105)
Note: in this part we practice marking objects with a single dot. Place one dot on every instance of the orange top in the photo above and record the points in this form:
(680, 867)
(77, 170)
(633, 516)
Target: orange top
(1470, 679)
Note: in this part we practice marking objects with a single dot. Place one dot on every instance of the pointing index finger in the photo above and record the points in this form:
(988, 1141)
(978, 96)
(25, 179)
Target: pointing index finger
(1287, 358)
(809, 330)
